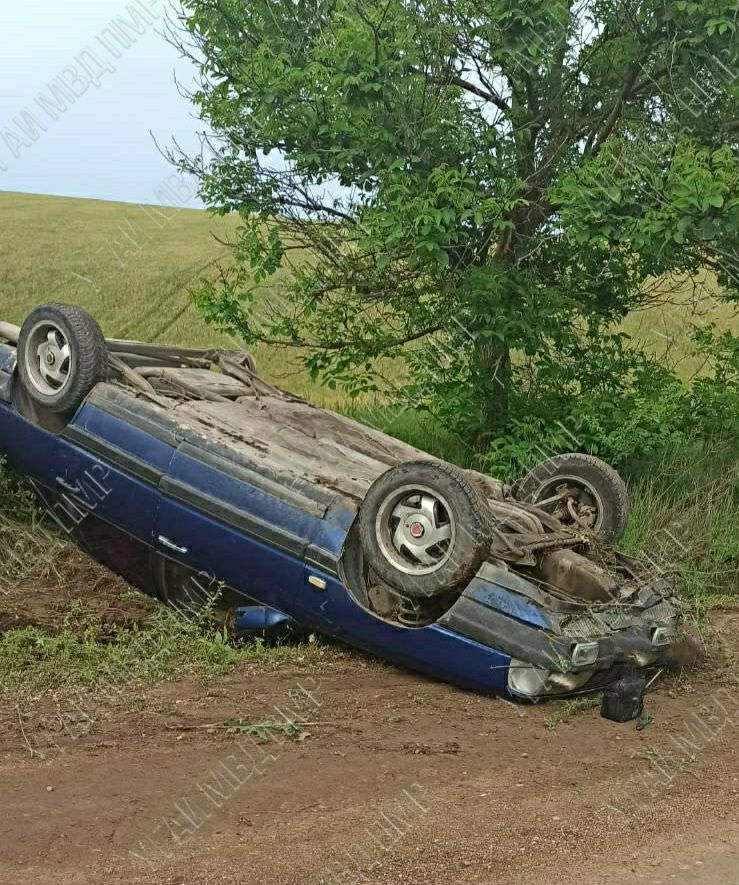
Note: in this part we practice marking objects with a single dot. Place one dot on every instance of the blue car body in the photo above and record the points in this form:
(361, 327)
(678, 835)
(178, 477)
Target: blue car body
(157, 491)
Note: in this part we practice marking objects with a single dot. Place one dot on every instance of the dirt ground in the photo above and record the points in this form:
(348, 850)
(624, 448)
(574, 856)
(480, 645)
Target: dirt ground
(393, 778)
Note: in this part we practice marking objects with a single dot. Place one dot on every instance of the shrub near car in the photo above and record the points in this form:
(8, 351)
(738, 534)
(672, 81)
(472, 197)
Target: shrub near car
(185, 471)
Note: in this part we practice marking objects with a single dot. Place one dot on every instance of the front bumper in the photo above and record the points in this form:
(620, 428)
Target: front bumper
(513, 616)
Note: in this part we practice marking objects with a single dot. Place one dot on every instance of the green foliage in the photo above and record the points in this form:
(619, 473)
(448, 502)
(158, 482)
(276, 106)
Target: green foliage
(615, 402)
(88, 652)
(713, 405)
(663, 201)
(483, 190)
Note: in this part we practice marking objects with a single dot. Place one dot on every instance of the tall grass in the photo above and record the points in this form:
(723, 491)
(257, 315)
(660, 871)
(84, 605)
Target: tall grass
(419, 429)
(685, 519)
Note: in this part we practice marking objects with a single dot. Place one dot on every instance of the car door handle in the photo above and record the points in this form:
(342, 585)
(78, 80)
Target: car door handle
(170, 545)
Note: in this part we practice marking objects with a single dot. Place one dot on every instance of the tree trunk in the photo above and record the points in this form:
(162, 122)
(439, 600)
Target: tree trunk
(493, 375)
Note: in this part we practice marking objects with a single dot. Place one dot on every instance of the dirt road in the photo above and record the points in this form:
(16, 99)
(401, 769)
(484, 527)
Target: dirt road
(392, 779)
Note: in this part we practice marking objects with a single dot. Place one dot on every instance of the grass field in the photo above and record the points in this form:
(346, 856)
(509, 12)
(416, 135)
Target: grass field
(131, 266)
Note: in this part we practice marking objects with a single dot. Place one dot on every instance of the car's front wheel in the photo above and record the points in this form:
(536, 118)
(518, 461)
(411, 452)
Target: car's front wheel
(425, 528)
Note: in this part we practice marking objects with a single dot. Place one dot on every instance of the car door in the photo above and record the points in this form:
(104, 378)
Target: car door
(235, 525)
(105, 490)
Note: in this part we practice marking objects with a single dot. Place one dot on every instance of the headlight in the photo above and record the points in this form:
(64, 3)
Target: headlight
(533, 682)
(663, 635)
(585, 654)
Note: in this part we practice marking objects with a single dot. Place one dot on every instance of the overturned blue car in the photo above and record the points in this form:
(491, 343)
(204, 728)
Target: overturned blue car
(189, 475)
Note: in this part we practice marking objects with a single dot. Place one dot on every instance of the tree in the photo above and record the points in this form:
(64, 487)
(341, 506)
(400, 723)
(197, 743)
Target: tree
(481, 187)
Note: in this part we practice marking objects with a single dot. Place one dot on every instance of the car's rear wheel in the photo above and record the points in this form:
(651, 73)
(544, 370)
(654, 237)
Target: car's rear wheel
(581, 491)
(62, 355)
(425, 528)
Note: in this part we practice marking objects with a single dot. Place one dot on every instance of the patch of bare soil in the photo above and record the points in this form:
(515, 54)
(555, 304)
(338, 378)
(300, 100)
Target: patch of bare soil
(53, 591)
(392, 778)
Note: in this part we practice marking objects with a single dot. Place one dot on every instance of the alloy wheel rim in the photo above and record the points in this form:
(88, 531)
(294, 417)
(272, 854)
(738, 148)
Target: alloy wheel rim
(48, 359)
(416, 530)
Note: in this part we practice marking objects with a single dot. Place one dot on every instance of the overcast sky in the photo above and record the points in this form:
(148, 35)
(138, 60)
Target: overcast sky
(100, 146)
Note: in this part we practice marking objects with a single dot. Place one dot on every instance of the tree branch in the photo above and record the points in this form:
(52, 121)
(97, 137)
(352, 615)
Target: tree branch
(454, 80)
(598, 136)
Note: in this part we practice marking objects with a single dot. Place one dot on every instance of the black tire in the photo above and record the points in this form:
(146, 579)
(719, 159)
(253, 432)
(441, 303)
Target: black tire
(596, 484)
(75, 359)
(455, 502)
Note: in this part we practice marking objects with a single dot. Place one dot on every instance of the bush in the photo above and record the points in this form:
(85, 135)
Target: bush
(582, 400)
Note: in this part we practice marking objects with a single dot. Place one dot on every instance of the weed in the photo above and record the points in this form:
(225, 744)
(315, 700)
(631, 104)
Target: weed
(574, 706)
(17, 501)
(263, 729)
(650, 754)
(570, 707)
